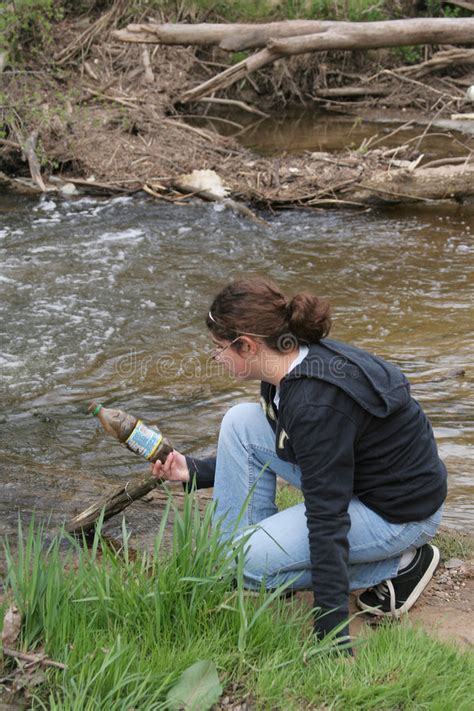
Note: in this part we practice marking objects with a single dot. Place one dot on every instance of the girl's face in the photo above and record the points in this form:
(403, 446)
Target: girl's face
(247, 358)
(239, 357)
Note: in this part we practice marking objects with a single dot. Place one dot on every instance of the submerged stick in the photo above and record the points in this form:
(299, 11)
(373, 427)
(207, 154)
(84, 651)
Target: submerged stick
(119, 500)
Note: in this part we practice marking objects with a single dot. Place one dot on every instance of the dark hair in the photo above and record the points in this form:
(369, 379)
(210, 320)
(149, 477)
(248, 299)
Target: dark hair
(257, 307)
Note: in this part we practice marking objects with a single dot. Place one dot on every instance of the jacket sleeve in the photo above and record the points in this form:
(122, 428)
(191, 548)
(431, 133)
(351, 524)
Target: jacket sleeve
(201, 472)
(322, 439)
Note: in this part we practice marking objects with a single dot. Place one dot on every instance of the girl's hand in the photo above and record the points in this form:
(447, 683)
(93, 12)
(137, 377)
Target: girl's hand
(174, 468)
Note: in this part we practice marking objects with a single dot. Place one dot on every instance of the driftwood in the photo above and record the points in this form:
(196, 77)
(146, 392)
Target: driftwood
(113, 504)
(19, 185)
(324, 34)
(455, 182)
(230, 37)
(348, 91)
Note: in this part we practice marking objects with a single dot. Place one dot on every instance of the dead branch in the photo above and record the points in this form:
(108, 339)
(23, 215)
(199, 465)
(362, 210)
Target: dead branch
(233, 102)
(178, 200)
(10, 144)
(82, 44)
(354, 91)
(441, 60)
(130, 103)
(457, 160)
(118, 500)
(149, 76)
(29, 151)
(186, 127)
(41, 659)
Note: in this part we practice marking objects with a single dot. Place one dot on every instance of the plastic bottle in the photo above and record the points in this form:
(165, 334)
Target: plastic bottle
(146, 441)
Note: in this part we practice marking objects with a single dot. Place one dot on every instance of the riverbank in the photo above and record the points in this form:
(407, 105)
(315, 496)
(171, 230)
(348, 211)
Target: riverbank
(112, 628)
(101, 114)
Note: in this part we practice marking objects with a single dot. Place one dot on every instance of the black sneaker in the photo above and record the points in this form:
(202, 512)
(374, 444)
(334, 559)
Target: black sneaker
(393, 597)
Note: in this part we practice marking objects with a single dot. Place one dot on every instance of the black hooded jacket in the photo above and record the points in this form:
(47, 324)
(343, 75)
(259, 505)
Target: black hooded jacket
(347, 419)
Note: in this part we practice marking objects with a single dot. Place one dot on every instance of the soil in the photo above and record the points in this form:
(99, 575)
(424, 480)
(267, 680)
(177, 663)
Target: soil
(444, 610)
(100, 119)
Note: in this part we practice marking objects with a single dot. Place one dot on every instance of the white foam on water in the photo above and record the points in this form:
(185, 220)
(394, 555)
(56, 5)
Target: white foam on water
(130, 234)
(46, 205)
(121, 200)
(52, 219)
(56, 249)
(10, 359)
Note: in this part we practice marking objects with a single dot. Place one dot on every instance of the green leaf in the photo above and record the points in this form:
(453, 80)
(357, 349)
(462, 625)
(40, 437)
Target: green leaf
(197, 689)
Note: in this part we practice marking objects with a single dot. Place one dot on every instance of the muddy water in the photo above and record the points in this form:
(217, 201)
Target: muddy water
(310, 131)
(106, 300)
(298, 131)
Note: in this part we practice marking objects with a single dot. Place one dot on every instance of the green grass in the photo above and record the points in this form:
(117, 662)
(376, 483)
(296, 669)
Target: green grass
(127, 627)
(287, 496)
(266, 10)
(454, 544)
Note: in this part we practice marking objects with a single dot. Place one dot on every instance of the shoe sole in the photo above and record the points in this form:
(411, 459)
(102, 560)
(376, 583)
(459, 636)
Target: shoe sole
(413, 597)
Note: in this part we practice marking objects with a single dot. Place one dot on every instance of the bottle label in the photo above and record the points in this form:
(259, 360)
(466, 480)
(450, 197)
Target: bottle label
(143, 440)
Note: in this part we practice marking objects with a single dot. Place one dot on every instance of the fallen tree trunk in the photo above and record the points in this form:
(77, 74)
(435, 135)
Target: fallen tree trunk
(402, 186)
(231, 37)
(237, 37)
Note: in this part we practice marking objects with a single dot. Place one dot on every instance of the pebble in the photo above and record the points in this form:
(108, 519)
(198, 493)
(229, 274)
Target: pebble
(454, 563)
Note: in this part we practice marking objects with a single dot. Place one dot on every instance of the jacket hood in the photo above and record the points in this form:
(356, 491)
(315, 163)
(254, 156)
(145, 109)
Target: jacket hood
(377, 386)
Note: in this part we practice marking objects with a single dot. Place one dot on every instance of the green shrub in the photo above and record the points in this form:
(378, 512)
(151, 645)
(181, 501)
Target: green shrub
(26, 23)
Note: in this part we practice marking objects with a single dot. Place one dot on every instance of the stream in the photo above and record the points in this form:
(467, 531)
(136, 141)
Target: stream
(106, 298)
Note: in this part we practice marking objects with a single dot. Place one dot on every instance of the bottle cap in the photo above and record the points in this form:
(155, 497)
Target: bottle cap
(97, 409)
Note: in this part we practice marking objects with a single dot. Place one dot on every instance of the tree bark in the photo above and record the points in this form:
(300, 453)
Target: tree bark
(231, 37)
(237, 37)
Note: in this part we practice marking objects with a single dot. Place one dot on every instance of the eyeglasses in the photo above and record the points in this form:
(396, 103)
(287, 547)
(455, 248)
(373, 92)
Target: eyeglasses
(217, 350)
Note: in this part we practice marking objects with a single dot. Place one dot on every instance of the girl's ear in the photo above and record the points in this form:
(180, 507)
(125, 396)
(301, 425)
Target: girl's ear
(248, 345)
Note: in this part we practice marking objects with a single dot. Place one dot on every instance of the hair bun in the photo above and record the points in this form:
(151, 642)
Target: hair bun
(309, 317)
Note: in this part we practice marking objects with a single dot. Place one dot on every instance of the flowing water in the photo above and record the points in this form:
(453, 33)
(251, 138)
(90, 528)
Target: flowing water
(106, 299)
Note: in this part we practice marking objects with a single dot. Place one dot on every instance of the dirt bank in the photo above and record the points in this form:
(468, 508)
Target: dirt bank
(103, 111)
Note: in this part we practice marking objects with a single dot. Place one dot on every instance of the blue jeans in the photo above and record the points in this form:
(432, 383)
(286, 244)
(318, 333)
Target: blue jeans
(278, 548)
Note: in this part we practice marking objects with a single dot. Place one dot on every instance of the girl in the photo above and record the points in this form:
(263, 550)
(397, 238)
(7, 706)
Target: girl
(341, 425)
